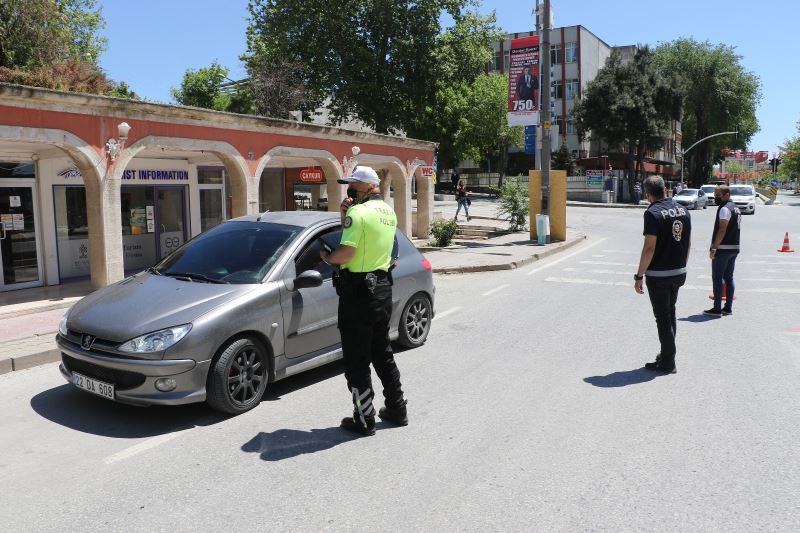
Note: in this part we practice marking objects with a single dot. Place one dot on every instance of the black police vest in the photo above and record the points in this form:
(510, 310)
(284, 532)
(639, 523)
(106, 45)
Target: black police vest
(731, 239)
(674, 227)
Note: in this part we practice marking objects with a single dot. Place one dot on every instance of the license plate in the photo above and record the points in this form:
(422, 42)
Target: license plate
(106, 390)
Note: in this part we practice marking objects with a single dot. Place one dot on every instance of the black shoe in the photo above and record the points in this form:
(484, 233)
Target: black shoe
(396, 415)
(713, 312)
(659, 367)
(727, 312)
(355, 425)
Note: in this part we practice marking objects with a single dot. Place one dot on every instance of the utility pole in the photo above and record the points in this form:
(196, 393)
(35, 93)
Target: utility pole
(545, 111)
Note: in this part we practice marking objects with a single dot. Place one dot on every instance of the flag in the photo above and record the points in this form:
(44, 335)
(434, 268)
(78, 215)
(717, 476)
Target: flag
(761, 156)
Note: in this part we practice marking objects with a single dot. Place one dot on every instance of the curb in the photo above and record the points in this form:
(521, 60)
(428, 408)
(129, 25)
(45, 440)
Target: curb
(29, 361)
(32, 310)
(560, 247)
(607, 206)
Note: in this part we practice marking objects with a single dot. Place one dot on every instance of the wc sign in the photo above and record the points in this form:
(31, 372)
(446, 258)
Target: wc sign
(427, 171)
(311, 175)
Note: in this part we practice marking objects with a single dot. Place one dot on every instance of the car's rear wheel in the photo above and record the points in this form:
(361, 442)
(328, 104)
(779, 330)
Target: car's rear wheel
(415, 321)
(238, 377)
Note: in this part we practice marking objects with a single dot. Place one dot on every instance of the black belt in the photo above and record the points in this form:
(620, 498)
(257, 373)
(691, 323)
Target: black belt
(380, 274)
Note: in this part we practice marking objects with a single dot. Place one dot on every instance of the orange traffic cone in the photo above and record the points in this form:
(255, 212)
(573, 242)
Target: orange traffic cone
(724, 292)
(786, 247)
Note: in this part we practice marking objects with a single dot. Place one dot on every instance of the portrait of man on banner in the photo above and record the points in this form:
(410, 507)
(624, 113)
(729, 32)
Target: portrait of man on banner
(523, 81)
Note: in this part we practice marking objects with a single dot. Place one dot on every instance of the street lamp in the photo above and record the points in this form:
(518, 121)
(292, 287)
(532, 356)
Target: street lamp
(114, 147)
(683, 152)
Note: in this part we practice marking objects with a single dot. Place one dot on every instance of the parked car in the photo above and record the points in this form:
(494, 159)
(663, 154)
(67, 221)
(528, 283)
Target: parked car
(744, 196)
(691, 198)
(709, 189)
(244, 304)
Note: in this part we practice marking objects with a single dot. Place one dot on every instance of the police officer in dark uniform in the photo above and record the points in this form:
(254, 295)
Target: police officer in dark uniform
(364, 286)
(724, 250)
(667, 240)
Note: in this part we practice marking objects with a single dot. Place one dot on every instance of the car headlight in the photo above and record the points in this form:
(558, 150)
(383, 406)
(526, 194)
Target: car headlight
(62, 326)
(156, 341)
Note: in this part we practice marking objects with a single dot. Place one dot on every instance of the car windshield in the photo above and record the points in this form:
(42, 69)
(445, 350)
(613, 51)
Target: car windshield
(741, 191)
(708, 188)
(238, 252)
(687, 192)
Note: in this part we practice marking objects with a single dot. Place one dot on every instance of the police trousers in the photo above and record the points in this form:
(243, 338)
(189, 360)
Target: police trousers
(364, 326)
(663, 294)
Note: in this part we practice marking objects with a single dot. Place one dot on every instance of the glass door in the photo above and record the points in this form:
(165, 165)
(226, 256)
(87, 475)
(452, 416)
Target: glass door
(18, 237)
(170, 219)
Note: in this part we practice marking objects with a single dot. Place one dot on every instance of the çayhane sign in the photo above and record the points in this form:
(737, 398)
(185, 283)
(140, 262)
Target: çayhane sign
(311, 175)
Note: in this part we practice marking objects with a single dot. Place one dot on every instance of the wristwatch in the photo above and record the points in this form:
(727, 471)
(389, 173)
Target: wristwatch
(637, 277)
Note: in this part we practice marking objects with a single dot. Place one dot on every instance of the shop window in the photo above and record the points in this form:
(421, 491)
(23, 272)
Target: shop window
(72, 231)
(209, 175)
(138, 227)
(212, 183)
(17, 171)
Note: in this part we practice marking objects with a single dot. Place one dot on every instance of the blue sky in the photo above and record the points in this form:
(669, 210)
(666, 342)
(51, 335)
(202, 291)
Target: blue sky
(152, 43)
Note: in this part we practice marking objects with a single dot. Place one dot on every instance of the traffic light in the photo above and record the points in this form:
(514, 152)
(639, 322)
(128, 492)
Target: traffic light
(774, 163)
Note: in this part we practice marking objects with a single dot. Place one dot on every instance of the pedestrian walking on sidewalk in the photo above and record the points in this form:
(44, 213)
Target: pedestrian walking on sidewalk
(364, 286)
(454, 177)
(724, 250)
(667, 240)
(637, 193)
(462, 198)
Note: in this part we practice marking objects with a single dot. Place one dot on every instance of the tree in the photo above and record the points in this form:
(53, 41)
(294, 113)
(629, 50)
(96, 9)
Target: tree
(123, 90)
(562, 160)
(374, 60)
(276, 87)
(84, 20)
(36, 33)
(790, 157)
(201, 88)
(630, 103)
(720, 95)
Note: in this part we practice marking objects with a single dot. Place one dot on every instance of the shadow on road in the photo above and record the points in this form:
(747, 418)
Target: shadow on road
(288, 443)
(78, 410)
(622, 379)
(698, 318)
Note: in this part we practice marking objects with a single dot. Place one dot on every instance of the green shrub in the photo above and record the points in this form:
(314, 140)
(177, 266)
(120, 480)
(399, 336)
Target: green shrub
(514, 203)
(443, 231)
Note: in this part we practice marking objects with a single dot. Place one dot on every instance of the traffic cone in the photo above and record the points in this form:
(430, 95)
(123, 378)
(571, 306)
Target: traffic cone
(786, 247)
(724, 293)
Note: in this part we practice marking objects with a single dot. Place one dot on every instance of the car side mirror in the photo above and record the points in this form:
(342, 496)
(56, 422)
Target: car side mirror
(309, 278)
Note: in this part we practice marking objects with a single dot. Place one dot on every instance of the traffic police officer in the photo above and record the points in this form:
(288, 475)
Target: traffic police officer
(364, 285)
(667, 240)
(724, 250)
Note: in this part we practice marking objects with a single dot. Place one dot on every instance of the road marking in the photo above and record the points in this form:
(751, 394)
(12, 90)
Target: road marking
(620, 252)
(496, 289)
(589, 281)
(606, 263)
(136, 449)
(446, 313)
(598, 271)
(598, 255)
(569, 256)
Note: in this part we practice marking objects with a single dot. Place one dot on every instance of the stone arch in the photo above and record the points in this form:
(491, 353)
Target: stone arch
(330, 166)
(244, 188)
(396, 179)
(102, 214)
(424, 202)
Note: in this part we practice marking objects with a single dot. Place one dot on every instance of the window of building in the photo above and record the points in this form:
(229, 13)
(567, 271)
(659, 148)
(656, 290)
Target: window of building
(572, 89)
(495, 66)
(572, 52)
(72, 231)
(558, 89)
(506, 59)
(572, 128)
(211, 181)
(17, 171)
(555, 54)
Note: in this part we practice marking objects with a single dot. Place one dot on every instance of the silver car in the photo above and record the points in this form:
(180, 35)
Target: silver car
(692, 198)
(744, 196)
(244, 304)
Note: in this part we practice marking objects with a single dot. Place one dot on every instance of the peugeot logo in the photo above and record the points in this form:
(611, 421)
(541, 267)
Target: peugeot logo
(87, 341)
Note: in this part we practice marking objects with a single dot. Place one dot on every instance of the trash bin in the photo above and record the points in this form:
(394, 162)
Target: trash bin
(542, 229)
(608, 197)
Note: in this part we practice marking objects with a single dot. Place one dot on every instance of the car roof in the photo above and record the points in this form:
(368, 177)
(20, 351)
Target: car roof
(292, 218)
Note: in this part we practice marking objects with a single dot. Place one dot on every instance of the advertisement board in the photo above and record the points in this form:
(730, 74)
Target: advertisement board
(523, 82)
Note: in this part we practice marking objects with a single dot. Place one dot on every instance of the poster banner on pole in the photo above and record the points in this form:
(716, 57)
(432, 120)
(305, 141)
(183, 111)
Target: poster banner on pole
(523, 82)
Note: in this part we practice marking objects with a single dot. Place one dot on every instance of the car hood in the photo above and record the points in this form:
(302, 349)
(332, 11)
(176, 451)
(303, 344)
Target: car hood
(145, 303)
(743, 198)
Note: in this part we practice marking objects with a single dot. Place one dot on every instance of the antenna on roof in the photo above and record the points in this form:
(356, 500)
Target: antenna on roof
(261, 215)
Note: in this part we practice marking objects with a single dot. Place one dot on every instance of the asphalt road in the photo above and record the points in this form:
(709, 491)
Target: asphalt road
(529, 412)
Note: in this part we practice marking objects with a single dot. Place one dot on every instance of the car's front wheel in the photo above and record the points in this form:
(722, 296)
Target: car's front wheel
(238, 377)
(415, 321)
